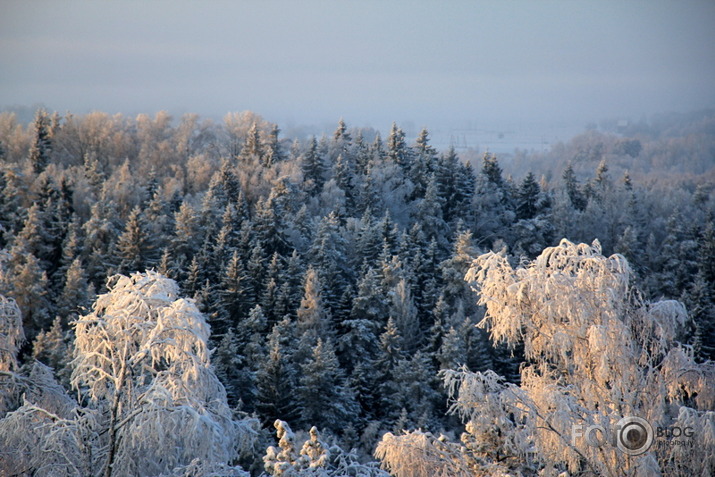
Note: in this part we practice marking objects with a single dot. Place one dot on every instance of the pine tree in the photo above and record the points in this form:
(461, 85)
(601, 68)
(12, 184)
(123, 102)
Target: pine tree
(391, 351)
(41, 146)
(252, 151)
(133, 245)
(187, 230)
(575, 194)
(234, 296)
(328, 255)
(528, 198)
(29, 286)
(274, 152)
(325, 399)
(10, 206)
(33, 237)
(429, 213)
(76, 294)
(313, 168)
(100, 235)
(276, 381)
(313, 318)
(232, 370)
(404, 314)
(270, 217)
(343, 175)
(415, 382)
(397, 150)
(494, 208)
(52, 348)
(424, 164)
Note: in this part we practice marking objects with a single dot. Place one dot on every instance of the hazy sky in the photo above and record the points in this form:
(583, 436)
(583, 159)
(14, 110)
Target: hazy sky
(370, 62)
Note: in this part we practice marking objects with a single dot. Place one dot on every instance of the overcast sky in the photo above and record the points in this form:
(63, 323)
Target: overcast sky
(370, 62)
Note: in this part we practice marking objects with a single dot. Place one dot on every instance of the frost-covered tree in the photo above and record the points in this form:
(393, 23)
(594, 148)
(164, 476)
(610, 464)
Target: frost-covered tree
(41, 146)
(133, 245)
(51, 348)
(11, 333)
(276, 380)
(142, 360)
(315, 459)
(595, 352)
(323, 394)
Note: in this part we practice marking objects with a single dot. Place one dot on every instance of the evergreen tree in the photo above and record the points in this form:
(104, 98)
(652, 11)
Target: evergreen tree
(404, 314)
(234, 296)
(328, 255)
(313, 318)
(415, 381)
(33, 237)
(276, 380)
(270, 217)
(324, 396)
(343, 175)
(424, 164)
(100, 236)
(11, 211)
(313, 168)
(134, 247)
(397, 150)
(429, 213)
(494, 209)
(700, 299)
(27, 283)
(41, 146)
(274, 152)
(575, 194)
(76, 294)
(185, 238)
(232, 369)
(51, 347)
(528, 198)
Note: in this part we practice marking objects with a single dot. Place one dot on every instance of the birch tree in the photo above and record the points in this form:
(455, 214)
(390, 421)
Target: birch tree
(595, 353)
(142, 357)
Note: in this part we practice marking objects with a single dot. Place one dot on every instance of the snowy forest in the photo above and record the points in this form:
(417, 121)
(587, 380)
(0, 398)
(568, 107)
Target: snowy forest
(190, 297)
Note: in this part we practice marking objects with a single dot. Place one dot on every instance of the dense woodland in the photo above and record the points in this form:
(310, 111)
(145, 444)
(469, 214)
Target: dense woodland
(330, 270)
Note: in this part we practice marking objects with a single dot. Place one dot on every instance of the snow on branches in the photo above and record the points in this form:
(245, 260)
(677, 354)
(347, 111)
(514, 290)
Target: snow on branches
(154, 405)
(142, 354)
(595, 352)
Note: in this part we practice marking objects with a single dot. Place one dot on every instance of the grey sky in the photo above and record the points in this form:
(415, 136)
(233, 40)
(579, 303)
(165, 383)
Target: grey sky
(370, 62)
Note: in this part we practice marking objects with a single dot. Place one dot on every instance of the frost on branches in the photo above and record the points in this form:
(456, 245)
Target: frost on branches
(154, 404)
(595, 352)
(315, 459)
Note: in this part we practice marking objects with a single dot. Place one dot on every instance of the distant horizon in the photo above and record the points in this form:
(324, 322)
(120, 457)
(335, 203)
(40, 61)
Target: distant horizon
(503, 137)
(545, 64)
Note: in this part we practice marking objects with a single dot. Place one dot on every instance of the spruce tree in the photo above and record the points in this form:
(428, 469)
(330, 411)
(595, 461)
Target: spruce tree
(276, 381)
(313, 168)
(41, 146)
(325, 398)
(573, 189)
(133, 245)
(76, 294)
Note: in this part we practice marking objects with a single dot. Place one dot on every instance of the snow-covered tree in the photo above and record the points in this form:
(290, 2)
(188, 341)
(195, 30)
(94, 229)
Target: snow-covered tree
(595, 353)
(11, 333)
(142, 359)
(315, 459)
(323, 395)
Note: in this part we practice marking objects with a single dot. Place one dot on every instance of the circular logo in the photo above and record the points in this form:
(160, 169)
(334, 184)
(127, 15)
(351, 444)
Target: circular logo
(634, 435)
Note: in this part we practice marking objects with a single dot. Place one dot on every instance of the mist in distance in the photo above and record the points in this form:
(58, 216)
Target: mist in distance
(528, 71)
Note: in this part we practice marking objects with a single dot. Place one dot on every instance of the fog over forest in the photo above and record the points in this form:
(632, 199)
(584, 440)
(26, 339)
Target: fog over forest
(366, 239)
